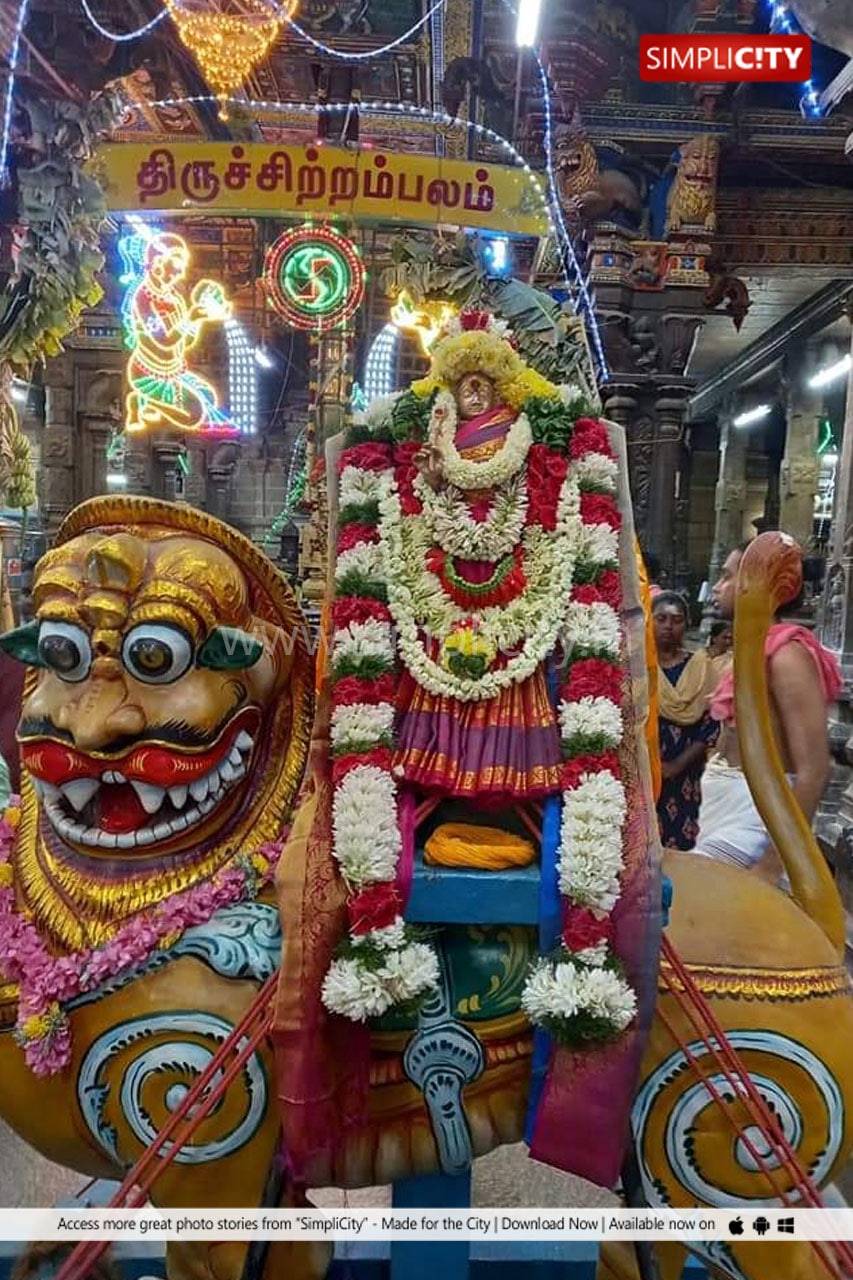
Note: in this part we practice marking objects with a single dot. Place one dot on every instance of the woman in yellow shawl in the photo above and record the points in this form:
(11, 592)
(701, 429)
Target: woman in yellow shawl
(686, 731)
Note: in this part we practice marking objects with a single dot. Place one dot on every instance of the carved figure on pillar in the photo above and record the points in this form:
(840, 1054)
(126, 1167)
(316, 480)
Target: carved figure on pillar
(596, 184)
(692, 200)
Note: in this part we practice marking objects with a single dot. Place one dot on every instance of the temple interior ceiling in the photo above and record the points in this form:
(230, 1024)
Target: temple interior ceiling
(773, 296)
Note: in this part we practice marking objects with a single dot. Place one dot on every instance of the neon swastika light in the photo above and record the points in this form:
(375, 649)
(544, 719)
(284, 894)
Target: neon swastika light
(314, 278)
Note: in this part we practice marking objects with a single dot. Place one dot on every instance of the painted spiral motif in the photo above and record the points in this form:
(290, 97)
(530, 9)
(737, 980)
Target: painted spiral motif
(705, 1161)
(136, 1074)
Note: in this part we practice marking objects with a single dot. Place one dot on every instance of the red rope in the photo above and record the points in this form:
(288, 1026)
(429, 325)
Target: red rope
(194, 1108)
(730, 1063)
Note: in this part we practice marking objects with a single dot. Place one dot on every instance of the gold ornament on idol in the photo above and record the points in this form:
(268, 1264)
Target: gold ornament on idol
(228, 45)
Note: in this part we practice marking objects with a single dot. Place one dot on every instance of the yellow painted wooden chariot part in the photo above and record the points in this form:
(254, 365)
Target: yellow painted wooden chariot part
(772, 975)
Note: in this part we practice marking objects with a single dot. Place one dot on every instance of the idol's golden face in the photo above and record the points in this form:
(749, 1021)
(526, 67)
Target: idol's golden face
(475, 394)
(154, 683)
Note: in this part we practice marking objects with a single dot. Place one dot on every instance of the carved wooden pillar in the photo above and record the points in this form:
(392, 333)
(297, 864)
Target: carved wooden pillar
(666, 467)
(731, 493)
(620, 406)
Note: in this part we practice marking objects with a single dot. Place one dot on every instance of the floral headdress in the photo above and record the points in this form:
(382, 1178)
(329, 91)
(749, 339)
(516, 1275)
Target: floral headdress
(478, 342)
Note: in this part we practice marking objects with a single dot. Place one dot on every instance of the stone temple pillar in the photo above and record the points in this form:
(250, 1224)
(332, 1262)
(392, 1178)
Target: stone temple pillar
(800, 465)
(58, 448)
(835, 817)
(731, 492)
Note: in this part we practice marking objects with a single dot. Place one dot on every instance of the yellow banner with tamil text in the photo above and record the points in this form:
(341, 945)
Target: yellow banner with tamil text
(321, 182)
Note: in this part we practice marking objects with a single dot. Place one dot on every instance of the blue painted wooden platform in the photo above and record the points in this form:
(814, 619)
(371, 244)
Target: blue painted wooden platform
(463, 896)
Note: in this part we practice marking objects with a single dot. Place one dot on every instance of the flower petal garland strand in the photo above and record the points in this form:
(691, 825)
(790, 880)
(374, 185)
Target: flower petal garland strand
(555, 514)
(46, 983)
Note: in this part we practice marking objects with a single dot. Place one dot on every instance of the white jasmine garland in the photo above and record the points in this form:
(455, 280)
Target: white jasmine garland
(526, 628)
(559, 989)
(358, 991)
(357, 486)
(366, 559)
(367, 839)
(454, 529)
(378, 411)
(607, 995)
(591, 718)
(492, 472)
(570, 393)
(595, 956)
(597, 471)
(599, 544)
(551, 991)
(387, 939)
(593, 626)
(359, 640)
(590, 855)
(360, 723)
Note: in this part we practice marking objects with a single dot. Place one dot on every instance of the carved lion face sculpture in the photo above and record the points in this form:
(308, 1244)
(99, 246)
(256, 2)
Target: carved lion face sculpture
(165, 723)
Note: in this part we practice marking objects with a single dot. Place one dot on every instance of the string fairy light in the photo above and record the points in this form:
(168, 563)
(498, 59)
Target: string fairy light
(14, 54)
(227, 46)
(283, 13)
(380, 369)
(780, 21)
(120, 36)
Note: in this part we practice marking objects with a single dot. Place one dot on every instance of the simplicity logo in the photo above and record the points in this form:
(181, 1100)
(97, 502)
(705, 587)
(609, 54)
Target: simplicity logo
(706, 59)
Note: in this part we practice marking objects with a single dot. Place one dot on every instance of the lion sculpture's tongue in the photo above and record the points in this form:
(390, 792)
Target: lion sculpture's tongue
(120, 809)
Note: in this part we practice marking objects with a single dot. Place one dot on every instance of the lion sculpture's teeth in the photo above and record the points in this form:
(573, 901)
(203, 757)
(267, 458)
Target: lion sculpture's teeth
(203, 795)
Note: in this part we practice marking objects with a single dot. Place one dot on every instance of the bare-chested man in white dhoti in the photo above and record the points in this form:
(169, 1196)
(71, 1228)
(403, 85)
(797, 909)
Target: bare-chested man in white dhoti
(804, 681)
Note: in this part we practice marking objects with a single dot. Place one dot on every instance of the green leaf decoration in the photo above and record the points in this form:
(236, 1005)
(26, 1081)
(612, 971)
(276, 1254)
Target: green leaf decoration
(550, 422)
(23, 644)
(229, 649)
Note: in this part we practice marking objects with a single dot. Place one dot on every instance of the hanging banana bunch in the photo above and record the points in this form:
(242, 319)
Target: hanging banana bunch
(8, 428)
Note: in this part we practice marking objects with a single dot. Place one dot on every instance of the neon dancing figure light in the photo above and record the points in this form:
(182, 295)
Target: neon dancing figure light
(162, 326)
(314, 278)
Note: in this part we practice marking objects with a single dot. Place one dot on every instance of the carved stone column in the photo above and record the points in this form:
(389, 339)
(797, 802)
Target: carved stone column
(800, 466)
(837, 628)
(665, 478)
(58, 451)
(731, 492)
(835, 819)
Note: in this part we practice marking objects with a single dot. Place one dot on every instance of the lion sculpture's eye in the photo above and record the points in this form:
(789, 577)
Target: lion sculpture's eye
(156, 654)
(65, 649)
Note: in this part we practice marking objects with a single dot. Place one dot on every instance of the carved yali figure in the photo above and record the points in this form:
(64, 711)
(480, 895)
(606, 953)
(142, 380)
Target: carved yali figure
(163, 734)
(692, 200)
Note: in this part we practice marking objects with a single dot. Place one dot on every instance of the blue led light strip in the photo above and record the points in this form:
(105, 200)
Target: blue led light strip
(780, 23)
(119, 36)
(571, 265)
(14, 54)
